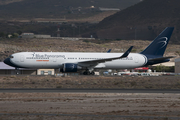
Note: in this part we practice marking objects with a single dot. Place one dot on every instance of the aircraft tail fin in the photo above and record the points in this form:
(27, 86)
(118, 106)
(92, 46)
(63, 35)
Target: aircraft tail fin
(158, 46)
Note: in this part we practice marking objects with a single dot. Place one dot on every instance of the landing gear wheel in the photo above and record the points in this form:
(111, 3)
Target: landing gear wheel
(88, 73)
(85, 73)
(92, 73)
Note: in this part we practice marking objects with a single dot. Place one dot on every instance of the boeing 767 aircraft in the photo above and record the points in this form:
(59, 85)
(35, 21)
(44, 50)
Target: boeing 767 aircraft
(87, 62)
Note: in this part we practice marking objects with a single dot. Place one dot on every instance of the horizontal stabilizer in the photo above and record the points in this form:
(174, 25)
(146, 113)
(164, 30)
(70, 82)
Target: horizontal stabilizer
(161, 58)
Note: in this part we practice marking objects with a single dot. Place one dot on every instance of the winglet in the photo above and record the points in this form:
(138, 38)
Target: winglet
(127, 52)
(109, 51)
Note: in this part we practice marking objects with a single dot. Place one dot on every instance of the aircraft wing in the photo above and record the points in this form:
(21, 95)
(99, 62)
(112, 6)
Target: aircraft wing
(95, 62)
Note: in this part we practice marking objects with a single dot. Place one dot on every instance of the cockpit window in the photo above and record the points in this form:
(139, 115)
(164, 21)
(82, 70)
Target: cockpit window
(11, 56)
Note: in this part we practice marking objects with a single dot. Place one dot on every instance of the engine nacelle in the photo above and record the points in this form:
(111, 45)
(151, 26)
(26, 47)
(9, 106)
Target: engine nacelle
(69, 67)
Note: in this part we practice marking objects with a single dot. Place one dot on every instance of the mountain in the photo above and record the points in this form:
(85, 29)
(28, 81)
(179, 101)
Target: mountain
(144, 20)
(5, 2)
(56, 8)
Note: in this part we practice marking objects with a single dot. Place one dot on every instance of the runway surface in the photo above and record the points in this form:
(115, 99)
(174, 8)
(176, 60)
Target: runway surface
(94, 116)
(54, 90)
(164, 104)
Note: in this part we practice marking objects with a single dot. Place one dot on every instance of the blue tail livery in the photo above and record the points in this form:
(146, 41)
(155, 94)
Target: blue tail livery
(155, 51)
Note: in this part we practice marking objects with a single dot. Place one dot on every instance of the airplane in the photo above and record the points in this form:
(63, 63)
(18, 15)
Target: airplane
(88, 62)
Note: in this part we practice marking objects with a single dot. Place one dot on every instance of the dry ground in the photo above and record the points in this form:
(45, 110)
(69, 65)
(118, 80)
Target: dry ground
(118, 82)
(88, 106)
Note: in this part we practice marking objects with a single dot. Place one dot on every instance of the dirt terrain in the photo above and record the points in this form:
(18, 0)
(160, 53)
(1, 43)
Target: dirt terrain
(116, 82)
(87, 106)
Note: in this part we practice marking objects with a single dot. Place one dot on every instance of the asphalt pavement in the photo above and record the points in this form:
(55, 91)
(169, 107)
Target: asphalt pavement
(71, 90)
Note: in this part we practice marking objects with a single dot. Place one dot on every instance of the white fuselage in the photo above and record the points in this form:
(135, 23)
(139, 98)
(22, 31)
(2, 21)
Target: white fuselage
(57, 59)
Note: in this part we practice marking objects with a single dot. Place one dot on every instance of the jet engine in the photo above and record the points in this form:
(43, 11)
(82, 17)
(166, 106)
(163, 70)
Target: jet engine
(70, 67)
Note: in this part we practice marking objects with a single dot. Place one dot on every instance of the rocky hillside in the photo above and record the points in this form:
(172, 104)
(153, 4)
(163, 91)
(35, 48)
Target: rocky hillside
(5, 2)
(57, 8)
(144, 20)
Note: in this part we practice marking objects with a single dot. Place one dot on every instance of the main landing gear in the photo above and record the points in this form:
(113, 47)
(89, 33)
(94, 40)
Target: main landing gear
(87, 72)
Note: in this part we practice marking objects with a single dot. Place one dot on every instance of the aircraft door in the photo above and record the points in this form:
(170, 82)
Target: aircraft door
(136, 59)
(22, 58)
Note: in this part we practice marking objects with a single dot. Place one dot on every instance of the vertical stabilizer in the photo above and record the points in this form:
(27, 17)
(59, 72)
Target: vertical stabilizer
(158, 46)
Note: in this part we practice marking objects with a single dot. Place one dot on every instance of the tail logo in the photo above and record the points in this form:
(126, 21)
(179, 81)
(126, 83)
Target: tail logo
(163, 42)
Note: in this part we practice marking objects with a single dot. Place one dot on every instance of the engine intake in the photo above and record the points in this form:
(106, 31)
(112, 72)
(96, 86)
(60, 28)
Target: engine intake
(70, 67)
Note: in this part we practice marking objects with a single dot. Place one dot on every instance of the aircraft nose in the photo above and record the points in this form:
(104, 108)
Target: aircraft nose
(7, 61)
